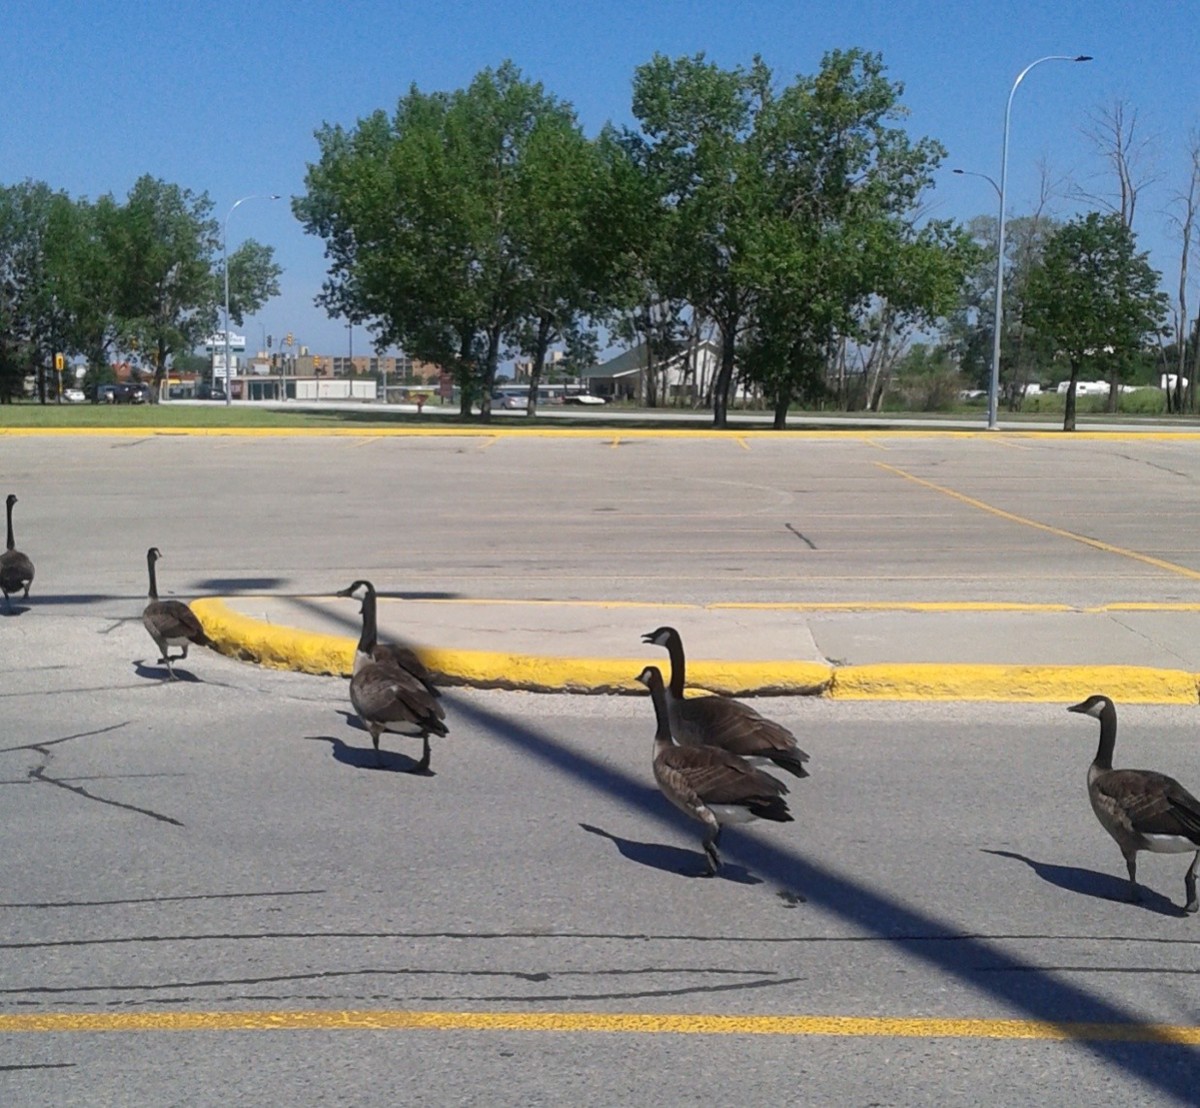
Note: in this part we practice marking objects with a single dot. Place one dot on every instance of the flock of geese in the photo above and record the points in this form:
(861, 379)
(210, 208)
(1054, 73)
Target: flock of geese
(709, 751)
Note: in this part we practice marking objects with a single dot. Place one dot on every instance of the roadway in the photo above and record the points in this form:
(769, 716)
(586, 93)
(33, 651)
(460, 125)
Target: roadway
(526, 925)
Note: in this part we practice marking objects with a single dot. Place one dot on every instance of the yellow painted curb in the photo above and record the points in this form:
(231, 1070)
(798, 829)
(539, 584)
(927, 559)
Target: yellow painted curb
(934, 681)
(664, 1023)
(282, 647)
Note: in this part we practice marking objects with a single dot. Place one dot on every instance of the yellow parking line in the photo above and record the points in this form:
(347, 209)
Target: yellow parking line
(1108, 548)
(741, 442)
(619, 1023)
(877, 445)
(616, 441)
(366, 442)
(487, 442)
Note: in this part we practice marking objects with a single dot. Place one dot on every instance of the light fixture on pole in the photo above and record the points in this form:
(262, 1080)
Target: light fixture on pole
(225, 266)
(994, 387)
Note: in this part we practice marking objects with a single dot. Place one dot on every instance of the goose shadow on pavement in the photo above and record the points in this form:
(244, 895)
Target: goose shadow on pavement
(157, 672)
(1090, 882)
(364, 757)
(672, 859)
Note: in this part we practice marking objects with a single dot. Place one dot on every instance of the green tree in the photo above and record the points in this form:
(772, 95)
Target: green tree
(1095, 298)
(836, 247)
(438, 226)
(165, 248)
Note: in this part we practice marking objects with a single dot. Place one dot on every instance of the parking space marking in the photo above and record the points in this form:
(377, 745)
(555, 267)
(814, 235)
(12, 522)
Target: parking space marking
(1097, 544)
(603, 1022)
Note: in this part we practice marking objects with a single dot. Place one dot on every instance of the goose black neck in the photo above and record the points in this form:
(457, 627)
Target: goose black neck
(1108, 737)
(662, 734)
(12, 545)
(675, 651)
(153, 577)
(366, 641)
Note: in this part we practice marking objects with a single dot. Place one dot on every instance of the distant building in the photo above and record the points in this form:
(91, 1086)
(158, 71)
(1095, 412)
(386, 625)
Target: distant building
(687, 376)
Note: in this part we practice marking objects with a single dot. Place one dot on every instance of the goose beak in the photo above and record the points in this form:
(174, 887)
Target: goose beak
(648, 638)
(343, 592)
(1078, 707)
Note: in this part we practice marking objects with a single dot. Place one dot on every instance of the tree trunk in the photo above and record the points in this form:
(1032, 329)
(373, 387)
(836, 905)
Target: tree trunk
(160, 370)
(782, 399)
(539, 360)
(1114, 388)
(725, 373)
(1069, 408)
(489, 375)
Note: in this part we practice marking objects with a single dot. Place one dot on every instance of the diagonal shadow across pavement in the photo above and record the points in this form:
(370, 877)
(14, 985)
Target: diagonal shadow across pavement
(919, 935)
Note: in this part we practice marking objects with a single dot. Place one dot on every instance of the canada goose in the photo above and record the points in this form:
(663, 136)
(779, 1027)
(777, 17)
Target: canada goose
(708, 783)
(388, 698)
(16, 570)
(720, 721)
(371, 650)
(1140, 809)
(170, 622)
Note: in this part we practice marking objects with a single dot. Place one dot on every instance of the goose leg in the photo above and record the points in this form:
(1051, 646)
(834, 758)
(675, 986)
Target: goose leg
(423, 764)
(378, 752)
(1189, 884)
(712, 855)
(1135, 894)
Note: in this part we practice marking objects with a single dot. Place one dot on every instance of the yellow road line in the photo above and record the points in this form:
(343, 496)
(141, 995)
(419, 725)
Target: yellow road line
(487, 442)
(366, 441)
(742, 442)
(616, 441)
(599, 1022)
(877, 445)
(1108, 548)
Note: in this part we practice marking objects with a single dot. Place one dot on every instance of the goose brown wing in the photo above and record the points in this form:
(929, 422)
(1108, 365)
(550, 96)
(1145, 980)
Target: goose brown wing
(718, 777)
(388, 654)
(739, 729)
(1154, 803)
(386, 694)
(172, 619)
(16, 570)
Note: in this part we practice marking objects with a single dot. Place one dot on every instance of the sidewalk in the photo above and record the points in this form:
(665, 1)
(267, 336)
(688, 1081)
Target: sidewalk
(1133, 653)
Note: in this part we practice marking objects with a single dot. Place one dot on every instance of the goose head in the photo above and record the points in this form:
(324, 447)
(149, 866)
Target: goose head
(153, 554)
(661, 637)
(355, 587)
(1093, 706)
(651, 677)
(12, 499)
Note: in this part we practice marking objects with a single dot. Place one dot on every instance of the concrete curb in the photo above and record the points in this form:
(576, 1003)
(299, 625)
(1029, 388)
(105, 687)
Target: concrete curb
(281, 647)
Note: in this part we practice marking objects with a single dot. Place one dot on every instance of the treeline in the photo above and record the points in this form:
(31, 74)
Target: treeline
(470, 225)
(138, 279)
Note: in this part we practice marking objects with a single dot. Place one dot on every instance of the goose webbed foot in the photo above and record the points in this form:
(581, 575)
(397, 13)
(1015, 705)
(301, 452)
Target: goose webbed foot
(711, 855)
(423, 765)
(1189, 884)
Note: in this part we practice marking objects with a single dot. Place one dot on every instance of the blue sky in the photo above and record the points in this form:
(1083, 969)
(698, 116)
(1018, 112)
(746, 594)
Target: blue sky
(224, 97)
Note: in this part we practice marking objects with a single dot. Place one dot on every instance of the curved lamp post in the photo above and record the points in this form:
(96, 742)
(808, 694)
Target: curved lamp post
(994, 388)
(225, 263)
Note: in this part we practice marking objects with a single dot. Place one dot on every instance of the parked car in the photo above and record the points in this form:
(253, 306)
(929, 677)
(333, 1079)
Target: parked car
(137, 394)
(583, 398)
(209, 392)
(74, 396)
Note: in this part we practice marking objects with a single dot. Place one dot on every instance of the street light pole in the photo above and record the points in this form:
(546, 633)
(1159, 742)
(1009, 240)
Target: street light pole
(225, 266)
(994, 388)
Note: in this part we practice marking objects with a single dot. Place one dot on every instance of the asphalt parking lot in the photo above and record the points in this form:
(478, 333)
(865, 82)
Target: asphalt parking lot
(221, 848)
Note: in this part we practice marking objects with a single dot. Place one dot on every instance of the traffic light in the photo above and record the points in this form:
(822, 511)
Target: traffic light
(268, 342)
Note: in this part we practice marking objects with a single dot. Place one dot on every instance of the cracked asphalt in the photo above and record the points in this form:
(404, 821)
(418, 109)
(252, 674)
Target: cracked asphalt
(224, 844)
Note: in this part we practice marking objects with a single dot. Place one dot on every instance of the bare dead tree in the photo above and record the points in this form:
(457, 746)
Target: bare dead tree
(1183, 218)
(1131, 152)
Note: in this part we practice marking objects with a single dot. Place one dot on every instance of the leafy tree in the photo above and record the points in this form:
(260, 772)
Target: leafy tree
(165, 246)
(836, 246)
(439, 223)
(1095, 298)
